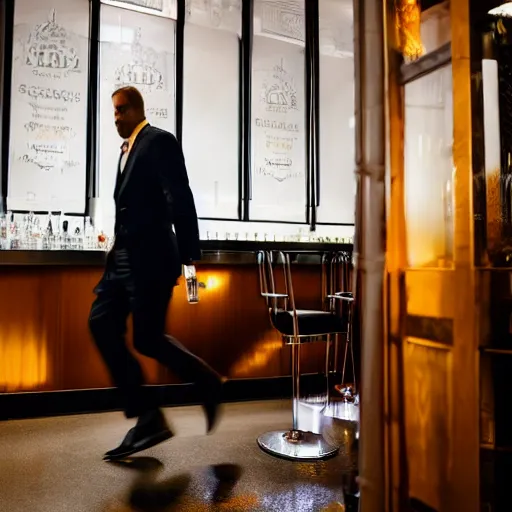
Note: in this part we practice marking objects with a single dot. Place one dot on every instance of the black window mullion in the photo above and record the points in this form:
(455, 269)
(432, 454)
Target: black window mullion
(179, 52)
(316, 109)
(312, 117)
(6, 41)
(307, 120)
(92, 169)
(246, 75)
(240, 130)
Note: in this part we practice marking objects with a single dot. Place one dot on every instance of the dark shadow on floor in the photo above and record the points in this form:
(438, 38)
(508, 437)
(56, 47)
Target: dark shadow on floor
(146, 494)
(151, 496)
(226, 476)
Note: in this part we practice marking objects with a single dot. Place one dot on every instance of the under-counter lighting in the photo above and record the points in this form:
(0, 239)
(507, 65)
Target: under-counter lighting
(502, 10)
(23, 360)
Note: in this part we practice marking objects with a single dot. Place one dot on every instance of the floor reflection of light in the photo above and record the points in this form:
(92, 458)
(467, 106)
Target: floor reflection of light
(334, 507)
(312, 471)
(303, 496)
(310, 416)
(342, 411)
(241, 503)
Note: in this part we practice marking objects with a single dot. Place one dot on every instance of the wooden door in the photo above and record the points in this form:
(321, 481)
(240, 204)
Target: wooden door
(432, 377)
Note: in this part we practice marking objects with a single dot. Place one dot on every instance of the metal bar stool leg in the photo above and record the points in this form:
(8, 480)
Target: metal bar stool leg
(295, 444)
(295, 385)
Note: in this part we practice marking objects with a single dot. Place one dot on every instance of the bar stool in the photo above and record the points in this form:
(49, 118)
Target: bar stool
(295, 326)
(337, 279)
(336, 276)
(340, 422)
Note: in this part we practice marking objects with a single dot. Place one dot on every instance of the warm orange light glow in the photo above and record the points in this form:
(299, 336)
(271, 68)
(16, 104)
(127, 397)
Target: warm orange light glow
(334, 507)
(240, 503)
(494, 215)
(212, 282)
(258, 358)
(23, 359)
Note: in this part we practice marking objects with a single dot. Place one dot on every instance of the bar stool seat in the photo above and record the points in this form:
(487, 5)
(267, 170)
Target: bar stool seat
(311, 322)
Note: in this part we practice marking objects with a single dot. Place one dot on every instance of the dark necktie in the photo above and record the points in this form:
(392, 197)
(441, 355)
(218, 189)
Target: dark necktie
(124, 155)
(122, 162)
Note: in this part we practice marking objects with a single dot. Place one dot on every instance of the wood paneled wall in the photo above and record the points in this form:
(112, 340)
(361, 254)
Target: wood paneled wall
(45, 343)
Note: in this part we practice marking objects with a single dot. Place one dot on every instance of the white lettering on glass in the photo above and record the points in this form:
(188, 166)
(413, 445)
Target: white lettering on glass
(137, 50)
(278, 131)
(49, 103)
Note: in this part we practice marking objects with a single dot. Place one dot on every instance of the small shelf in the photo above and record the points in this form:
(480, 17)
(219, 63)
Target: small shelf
(496, 351)
(499, 449)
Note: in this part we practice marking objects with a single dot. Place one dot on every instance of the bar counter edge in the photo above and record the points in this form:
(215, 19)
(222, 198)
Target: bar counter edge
(214, 252)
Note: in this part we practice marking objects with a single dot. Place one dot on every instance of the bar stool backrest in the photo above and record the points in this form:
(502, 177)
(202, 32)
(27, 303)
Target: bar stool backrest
(336, 278)
(268, 262)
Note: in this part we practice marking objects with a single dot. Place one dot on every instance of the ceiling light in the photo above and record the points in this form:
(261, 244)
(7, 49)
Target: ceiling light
(502, 10)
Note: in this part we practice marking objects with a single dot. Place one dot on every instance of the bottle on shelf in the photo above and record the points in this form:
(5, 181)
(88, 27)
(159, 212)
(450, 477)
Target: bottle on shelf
(56, 241)
(65, 239)
(37, 234)
(13, 232)
(90, 238)
(78, 239)
(3, 232)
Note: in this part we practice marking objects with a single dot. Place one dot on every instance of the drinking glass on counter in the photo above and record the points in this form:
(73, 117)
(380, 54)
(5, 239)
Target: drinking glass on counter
(189, 271)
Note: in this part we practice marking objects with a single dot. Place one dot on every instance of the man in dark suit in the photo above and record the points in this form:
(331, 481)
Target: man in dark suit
(152, 195)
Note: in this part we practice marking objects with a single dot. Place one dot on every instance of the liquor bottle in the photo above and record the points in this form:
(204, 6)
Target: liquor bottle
(37, 233)
(48, 240)
(91, 240)
(65, 240)
(56, 238)
(13, 233)
(3, 233)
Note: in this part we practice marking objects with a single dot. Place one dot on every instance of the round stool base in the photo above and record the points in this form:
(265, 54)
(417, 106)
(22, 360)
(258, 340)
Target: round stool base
(296, 445)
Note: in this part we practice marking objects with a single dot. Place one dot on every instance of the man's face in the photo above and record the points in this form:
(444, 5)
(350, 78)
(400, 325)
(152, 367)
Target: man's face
(127, 118)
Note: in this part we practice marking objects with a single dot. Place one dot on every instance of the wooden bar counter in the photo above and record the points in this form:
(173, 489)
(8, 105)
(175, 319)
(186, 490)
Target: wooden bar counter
(48, 361)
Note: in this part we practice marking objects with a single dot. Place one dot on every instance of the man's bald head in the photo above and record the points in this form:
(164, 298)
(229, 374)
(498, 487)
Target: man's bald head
(128, 110)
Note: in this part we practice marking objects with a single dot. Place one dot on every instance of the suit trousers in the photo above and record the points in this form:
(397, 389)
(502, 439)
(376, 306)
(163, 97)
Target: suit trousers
(118, 296)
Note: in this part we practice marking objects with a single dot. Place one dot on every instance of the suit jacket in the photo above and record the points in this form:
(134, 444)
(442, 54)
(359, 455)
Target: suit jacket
(152, 195)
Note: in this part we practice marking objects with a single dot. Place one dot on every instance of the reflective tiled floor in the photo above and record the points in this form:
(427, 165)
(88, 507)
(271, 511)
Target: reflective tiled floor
(54, 465)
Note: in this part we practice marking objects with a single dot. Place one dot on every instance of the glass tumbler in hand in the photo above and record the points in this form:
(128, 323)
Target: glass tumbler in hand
(189, 271)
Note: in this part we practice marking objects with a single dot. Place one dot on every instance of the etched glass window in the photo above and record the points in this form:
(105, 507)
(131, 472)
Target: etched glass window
(164, 8)
(135, 49)
(337, 187)
(48, 130)
(278, 112)
(211, 104)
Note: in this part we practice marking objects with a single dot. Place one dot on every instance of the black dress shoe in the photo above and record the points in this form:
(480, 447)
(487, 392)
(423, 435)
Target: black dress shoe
(151, 429)
(212, 400)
